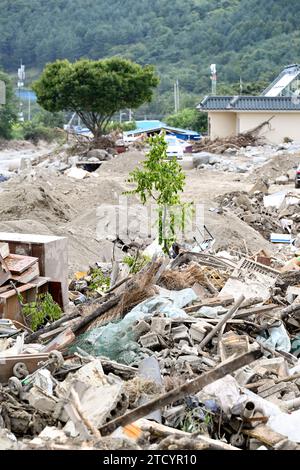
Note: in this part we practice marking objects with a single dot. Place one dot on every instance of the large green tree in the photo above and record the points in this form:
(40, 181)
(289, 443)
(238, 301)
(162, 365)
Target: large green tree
(8, 113)
(95, 90)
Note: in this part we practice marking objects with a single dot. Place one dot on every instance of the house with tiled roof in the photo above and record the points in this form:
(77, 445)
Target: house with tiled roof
(279, 105)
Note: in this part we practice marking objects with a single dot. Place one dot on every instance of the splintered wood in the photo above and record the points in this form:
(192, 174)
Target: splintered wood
(220, 145)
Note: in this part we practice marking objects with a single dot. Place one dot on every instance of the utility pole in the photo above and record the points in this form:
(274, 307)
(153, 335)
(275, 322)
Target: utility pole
(2, 93)
(21, 80)
(176, 96)
(121, 116)
(130, 115)
(29, 106)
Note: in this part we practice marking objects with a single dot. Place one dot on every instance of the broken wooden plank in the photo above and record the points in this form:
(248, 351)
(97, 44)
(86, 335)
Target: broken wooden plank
(4, 249)
(265, 434)
(243, 313)
(118, 369)
(160, 430)
(64, 319)
(223, 300)
(189, 388)
(27, 276)
(222, 322)
(18, 263)
(46, 336)
(61, 341)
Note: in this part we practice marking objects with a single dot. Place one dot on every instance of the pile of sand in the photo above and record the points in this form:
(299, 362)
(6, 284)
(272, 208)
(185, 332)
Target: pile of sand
(48, 202)
(123, 164)
(38, 201)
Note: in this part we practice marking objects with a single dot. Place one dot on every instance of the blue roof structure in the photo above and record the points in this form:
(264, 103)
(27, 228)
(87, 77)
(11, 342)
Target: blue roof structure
(155, 126)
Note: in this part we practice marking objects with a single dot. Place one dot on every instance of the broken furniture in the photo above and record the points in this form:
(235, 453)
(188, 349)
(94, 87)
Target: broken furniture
(40, 263)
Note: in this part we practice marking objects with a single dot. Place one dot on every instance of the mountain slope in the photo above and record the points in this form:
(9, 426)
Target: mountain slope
(247, 38)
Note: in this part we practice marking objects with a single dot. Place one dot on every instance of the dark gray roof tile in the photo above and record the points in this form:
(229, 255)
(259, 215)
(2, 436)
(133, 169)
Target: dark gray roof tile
(249, 103)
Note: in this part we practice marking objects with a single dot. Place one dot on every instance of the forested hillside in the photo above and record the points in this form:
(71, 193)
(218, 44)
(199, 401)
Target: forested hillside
(252, 39)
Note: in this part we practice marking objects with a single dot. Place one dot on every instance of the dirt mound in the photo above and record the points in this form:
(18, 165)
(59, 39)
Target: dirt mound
(15, 145)
(277, 166)
(122, 164)
(24, 226)
(33, 201)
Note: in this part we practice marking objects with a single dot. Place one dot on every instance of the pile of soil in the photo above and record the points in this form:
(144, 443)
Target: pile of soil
(123, 164)
(277, 166)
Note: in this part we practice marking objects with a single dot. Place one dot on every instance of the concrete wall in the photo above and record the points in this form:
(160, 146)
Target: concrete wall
(221, 124)
(282, 125)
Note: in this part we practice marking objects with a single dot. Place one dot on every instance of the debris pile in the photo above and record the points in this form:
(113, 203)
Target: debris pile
(277, 212)
(220, 145)
(195, 352)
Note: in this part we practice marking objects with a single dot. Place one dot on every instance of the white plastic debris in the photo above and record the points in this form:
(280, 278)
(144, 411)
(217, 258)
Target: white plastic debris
(225, 391)
(77, 173)
(179, 298)
(275, 200)
(8, 440)
(278, 339)
(287, 424)
(153, 249)
(211, 312)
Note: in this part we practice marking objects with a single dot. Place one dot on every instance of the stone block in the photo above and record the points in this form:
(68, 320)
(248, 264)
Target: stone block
(197, 332)
(180, 332)
(140, 328)
(150, 341)
(161, 326)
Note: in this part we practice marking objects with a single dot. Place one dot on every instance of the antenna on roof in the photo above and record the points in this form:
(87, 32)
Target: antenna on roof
(213, 71)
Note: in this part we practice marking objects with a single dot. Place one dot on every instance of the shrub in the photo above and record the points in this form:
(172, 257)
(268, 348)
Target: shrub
(136, 263)
(35, 133)
(41, 311)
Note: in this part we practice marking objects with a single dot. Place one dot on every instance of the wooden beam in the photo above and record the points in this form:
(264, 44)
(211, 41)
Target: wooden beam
(222, 322)
(223, 300)
(178, 393)
(163, 431)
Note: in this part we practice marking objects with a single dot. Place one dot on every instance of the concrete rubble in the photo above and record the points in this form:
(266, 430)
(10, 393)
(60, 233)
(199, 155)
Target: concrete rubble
(199, 350)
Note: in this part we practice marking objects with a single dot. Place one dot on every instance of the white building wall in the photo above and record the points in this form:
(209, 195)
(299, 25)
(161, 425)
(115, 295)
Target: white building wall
(221, 124)
(282, 125)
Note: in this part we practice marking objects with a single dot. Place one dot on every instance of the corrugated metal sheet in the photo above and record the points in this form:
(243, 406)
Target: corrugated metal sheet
(283, 80)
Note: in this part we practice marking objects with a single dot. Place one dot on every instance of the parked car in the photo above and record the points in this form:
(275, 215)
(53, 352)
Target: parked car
(175, 147)
(297, 178)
